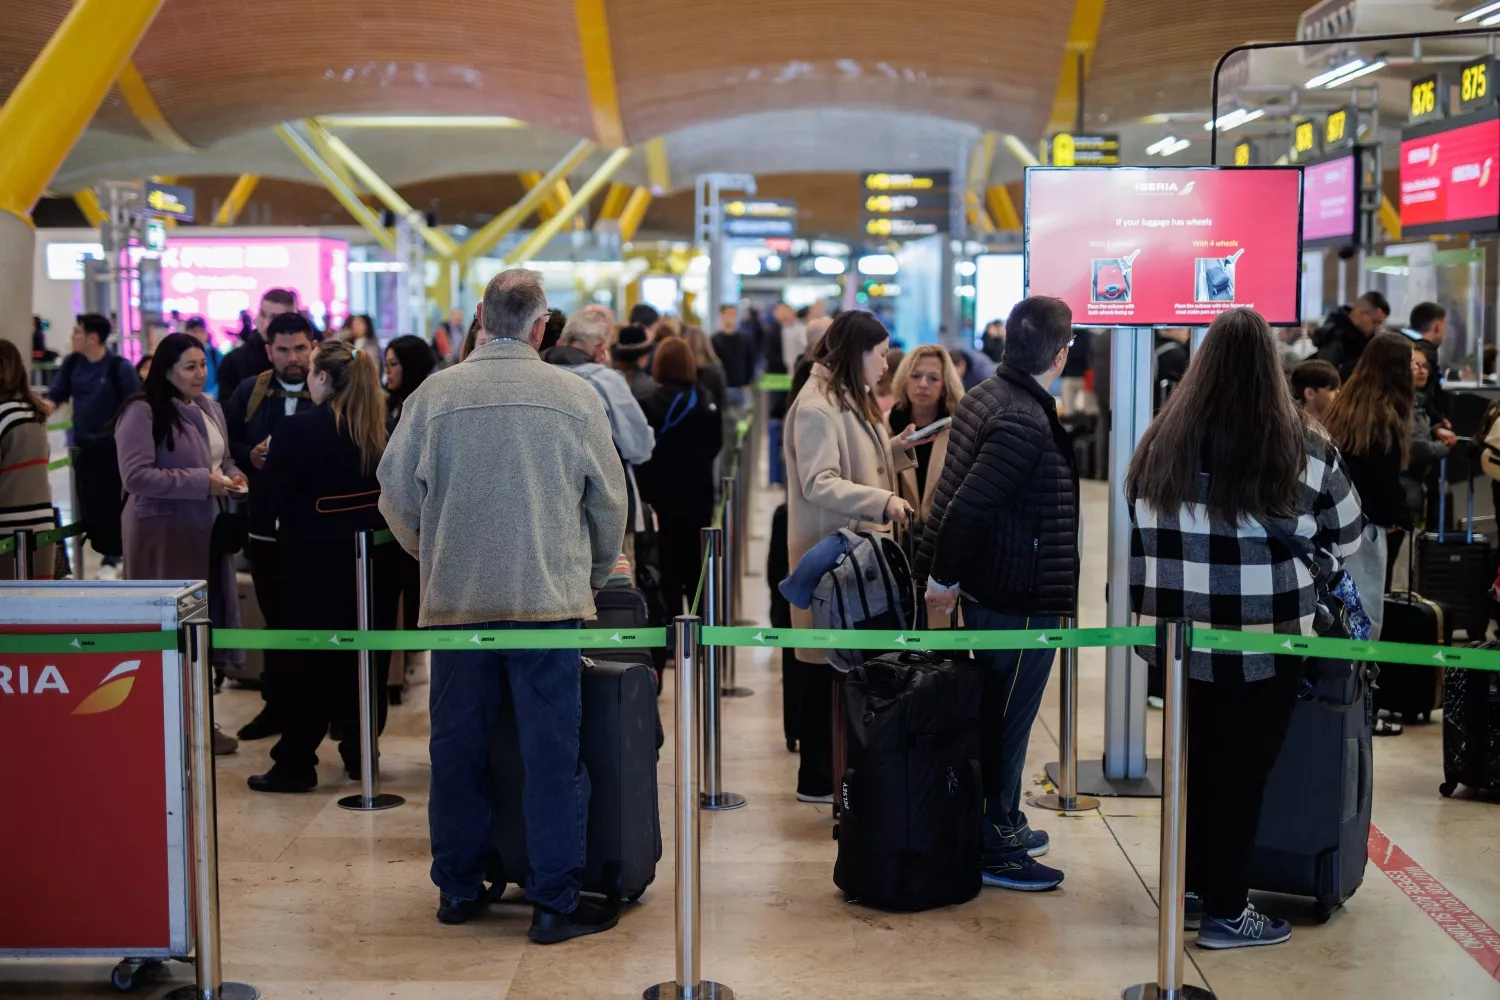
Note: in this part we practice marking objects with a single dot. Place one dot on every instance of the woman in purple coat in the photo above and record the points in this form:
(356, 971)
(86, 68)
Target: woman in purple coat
(176, 468)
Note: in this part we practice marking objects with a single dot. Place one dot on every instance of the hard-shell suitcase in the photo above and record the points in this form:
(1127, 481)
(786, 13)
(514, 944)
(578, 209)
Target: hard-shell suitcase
(623, 610)
(1457, 572)
(1315, 812)
(1471, 729)
(910, 793)
(620, 738)
(1412, 690)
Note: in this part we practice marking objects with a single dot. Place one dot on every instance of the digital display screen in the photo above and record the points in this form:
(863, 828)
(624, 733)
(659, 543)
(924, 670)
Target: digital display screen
(1330, 201)
(1450, 178)
(1144, 246)
(999, 283)
(216, 278)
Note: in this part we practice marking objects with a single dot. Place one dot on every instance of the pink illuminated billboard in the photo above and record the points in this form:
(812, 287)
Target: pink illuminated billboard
(1330, 201)
(1163, 246)
(216, 277)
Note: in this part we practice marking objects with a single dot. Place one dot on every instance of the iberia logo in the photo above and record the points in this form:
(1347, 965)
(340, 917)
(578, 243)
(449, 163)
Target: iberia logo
(1188, 189)
(1484, 177)
(1432, 155)
(112, 691)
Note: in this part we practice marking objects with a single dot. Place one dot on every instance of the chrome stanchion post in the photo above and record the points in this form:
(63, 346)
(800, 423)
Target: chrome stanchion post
(205, 830)
(729, 586)
(689, 984)
(713, 796)
(370, 798)
(1066, 798)
(75, 543)
(24, 552)
(1174, 638)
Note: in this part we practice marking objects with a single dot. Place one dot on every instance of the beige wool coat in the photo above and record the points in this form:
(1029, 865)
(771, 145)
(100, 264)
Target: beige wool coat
(839, 473)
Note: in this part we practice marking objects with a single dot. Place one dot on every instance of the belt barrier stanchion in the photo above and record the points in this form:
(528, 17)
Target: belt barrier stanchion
(760, 432)
(75, 510)
(370, 798)
(1175, 638)
(205, 832)
(1066, 798)
(744, 482)
(24, 552)
(713, 796)
(689, 984)
(729, 586)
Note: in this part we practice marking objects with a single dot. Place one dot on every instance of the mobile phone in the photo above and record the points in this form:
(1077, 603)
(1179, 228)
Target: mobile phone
(928, 431)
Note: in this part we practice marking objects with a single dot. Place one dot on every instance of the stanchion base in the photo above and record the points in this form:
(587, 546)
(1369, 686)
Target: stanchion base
(1054, 802)
(227, 991)
(1091, 781)
(1150, 991)
(735, 692)
(722, 802)
(706, 991)
(385, 800)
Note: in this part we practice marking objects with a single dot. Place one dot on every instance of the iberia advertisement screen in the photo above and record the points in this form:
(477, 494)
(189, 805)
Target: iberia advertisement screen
(1330, 197)
(1151, 246)
(1450, 178)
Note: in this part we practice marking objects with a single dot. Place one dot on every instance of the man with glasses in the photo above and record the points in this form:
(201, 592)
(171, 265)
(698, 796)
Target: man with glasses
(251, 357)
(502, 479)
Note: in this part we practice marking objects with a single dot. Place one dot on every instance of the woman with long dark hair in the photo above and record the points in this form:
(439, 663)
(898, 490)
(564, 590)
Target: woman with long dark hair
(1228, 459)
(25, 494)
(839, 475)
(1371, 422)
(319, 482)
(408, 362)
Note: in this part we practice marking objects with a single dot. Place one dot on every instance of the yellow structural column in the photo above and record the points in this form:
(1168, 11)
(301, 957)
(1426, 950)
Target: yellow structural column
(633, 212)
(544, 233)
(235, 201)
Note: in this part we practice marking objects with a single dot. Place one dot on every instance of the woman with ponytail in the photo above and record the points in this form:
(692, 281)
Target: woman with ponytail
(319, 483)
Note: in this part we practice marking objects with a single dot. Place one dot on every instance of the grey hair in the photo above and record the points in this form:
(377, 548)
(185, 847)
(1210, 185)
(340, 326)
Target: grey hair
(588, 328)
(513, 301)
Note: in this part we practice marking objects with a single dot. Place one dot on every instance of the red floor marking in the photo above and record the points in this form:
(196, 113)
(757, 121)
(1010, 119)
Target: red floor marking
(1449, 912)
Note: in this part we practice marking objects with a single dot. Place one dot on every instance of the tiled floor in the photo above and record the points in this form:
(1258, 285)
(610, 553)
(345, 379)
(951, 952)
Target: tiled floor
(319, 902)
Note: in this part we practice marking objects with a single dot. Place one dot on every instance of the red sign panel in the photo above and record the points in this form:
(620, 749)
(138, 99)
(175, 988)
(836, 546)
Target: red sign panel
(1450, 179)
(1138, 246)
(84, 861)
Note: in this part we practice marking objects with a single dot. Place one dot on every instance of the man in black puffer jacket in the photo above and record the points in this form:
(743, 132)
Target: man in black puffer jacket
(1004, 533)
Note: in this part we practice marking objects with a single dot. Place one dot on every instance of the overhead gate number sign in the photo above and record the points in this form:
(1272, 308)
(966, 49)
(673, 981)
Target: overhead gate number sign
(760, 218)
(903, 204)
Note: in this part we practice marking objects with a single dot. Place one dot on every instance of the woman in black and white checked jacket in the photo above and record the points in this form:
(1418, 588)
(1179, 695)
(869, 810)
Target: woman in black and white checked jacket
(1230, 449)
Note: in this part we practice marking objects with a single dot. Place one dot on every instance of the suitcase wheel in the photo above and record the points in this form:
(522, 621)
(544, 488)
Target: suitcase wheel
(1447, 788)
(1323, 911)
(635, 897)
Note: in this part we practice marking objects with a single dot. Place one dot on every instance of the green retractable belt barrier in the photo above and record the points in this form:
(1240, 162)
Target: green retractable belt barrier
(383, 536)
(771, 382)
(1345, 649)
(7, 545)
(59, 464)
(86, 642)
(798, 638)
(61, 425)
(464, 639)
(53, 535)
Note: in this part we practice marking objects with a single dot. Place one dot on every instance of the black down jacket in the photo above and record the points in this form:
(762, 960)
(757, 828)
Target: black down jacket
(1004, 524)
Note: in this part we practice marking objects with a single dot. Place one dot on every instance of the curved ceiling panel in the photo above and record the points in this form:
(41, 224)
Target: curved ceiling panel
(25, 27)
(682, 62)
(1157, 56)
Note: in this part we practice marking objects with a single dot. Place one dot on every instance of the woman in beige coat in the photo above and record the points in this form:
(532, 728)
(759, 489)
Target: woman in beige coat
(839, 475)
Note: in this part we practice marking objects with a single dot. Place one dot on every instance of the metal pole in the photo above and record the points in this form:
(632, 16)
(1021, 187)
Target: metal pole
(713, 796)
(689, 984)
(1066, 798)
(24, 553)
(370, 798)
(204, 830)
(744, 477)
(75, 513)
(729, 586)
(760, 432)
(1173, 638)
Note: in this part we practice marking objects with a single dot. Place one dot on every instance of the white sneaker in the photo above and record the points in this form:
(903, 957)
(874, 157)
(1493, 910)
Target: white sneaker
(817, 800)
(108, 572)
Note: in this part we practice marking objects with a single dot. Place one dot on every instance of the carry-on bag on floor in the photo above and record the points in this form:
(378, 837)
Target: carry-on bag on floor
(1455, 571)
(250, 617)
(910, 793)
(1315, 812)
(620, 737)
(623, 609)
(1409, 689)
(1471, 728)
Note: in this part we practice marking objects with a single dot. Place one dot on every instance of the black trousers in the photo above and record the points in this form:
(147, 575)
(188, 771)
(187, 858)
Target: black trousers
(316, 691)
(1235, 732)
(265, 575)
(679, 553)
(815, 728)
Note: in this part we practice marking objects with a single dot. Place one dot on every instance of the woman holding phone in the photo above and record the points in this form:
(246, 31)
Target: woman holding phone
(927, 389)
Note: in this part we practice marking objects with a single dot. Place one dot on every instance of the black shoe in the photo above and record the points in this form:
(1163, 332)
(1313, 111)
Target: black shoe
(273, 782)
(590, 917)
(459, 911)
(260, 727)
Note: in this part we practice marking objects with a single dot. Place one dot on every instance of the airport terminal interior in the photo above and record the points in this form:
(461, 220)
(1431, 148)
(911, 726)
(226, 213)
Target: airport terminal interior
(730, 189)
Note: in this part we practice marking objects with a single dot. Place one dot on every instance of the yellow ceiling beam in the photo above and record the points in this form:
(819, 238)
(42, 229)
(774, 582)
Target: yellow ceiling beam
(142, 103)
(1003, 209)
(658, 171)
(1389, 217)
(88, 203)
(235, 201)
(548, 208)
(330, 179)
(493, 231)
(1083, 35)
(376, 185)
(614, 201)
(633, 212)
(60, 91)
(1020, 151)
(561, 195)
(543, 234)
(599, 71)
(978, 217)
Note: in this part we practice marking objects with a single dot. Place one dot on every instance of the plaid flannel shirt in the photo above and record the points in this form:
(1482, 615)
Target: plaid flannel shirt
(1186, 564)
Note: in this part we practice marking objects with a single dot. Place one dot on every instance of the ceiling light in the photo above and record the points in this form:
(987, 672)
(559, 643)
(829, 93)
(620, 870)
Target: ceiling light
(1168, 146)
(1490, 21)
(966, 268)
(828, 265)
(1478, 12)
(1323, 78)
(878, 263)
(1160, 144)
(1234, 119)
(772, 262)
(1374, 67)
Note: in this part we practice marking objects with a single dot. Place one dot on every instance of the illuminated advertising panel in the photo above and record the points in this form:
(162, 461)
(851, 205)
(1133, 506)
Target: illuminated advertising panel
(1450, 177)
(1162, 246)
(217, 277)
(1330, 201)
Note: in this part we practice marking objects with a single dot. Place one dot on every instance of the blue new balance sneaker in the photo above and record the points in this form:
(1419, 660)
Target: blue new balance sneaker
(1022, 874)
(1249, 930)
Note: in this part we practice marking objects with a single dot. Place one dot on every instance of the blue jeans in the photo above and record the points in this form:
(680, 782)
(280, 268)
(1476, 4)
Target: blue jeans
(1013, 684)
(467, 688)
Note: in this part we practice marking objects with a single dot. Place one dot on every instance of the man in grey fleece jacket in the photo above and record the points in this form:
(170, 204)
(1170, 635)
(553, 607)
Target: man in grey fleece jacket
(502, 479)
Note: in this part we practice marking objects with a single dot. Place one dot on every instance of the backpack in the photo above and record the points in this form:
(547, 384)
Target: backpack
(870, 587)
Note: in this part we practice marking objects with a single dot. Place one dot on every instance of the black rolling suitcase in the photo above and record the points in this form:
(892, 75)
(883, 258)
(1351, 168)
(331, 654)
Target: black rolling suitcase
(1315, 812)
(623, 609)
(1471, 729)
(910, 795)
(1411, 690)
(620, 738)
(1457, 572)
